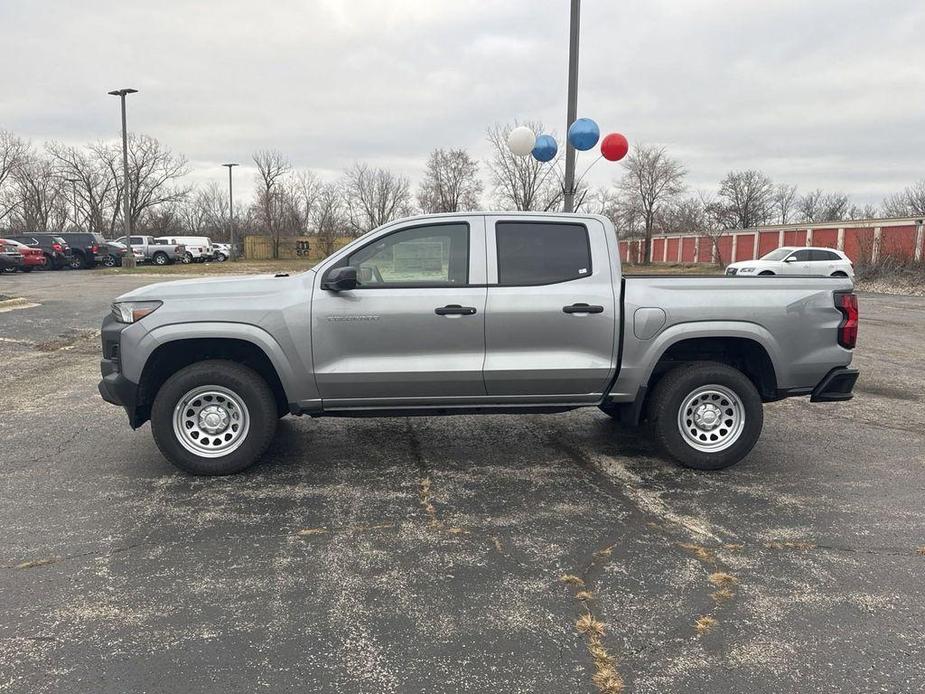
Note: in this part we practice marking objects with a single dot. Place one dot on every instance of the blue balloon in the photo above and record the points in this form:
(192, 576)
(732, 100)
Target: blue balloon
(545, 148)
(584, 134)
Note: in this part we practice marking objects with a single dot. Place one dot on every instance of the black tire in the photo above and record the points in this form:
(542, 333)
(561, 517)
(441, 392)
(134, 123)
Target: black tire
(187, 258)
(673, 391)
(765, 273)
(109, 260)
(79, 262)
(26, 268)
(839, 273)
(160, 258)
(247, 385)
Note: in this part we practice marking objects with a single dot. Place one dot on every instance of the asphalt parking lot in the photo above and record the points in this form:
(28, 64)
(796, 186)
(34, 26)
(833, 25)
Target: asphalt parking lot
(456, 554)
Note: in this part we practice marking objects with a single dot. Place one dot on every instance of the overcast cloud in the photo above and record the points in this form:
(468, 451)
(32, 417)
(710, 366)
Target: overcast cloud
(822, 93)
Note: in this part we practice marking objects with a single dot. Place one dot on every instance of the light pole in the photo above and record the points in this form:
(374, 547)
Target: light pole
(569, 184)
(73, 182)
(129, 259)
(231, 234)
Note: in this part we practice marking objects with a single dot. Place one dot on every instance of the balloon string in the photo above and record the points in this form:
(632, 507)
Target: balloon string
(552, 167)
(582, 177)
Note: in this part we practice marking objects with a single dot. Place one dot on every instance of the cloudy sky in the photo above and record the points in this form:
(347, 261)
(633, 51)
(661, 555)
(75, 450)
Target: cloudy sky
(818, 93)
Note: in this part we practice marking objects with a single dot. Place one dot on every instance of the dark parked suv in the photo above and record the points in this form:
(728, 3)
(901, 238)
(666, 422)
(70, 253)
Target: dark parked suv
(56, 250)
(88, 249)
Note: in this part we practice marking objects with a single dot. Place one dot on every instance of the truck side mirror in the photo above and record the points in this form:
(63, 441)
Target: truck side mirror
(341, 279)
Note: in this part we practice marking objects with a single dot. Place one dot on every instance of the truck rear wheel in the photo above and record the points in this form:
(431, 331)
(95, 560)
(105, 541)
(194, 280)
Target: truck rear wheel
(160, 258)
(214, 417)
(706, 415)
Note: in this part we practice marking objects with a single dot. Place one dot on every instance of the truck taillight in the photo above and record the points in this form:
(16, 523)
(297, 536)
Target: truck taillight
(847, 303)
(57, 247)
(94, 248)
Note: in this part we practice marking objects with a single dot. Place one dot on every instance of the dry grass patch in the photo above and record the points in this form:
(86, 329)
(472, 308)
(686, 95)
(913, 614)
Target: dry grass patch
(571, 580)
(921, 550)
(584, 595)
(705, 624)
(721, 579)
(707, 556)
(605, 678)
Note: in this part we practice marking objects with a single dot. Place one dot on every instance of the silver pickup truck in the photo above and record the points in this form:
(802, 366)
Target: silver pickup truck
(474, 313)
(155, 251)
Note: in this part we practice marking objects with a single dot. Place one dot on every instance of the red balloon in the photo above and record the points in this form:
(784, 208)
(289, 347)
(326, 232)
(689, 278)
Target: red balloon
(614, 147)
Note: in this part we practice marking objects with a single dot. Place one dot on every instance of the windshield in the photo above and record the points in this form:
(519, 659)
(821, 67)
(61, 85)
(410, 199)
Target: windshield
(779, 254)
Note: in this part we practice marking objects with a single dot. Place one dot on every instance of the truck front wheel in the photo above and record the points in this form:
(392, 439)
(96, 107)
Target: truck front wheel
(706, 415)
(214, 417)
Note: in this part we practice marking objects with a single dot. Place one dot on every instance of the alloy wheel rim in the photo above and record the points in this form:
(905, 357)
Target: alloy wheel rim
(211, 421)
(711, 418)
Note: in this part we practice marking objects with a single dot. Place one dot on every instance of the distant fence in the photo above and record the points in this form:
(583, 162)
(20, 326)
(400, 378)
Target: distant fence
(862, 241)
(311, 248)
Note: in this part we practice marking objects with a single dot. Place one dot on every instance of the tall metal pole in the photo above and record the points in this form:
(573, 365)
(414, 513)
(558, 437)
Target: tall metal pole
(569, 185)
(231, 235)
(128, 259)
(73, 182)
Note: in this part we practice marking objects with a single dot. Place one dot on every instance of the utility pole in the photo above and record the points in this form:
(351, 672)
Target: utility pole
(231, 234)
(73, 182)
(129, 259)
(569, 185)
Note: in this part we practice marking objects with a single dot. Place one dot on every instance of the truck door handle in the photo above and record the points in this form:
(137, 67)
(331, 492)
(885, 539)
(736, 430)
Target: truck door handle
(455, 310)
(582, 308)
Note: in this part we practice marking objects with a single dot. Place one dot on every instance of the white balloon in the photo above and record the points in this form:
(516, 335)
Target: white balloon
(521, 141)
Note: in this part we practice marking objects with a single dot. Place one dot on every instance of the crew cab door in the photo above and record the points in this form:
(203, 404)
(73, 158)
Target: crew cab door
(413, 330)
(550, 322)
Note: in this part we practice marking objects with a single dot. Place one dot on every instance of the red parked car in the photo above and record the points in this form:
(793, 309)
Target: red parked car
(31, 257)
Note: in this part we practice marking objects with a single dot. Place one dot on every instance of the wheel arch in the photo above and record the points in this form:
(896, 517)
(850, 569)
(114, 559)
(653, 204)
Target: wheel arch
(171, 355)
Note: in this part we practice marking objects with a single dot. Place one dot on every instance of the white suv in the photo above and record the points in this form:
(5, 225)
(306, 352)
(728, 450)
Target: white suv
(198, 248)
(791, 260)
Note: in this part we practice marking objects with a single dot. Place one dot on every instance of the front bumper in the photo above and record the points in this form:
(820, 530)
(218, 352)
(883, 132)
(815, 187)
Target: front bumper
(836, 386)
(115, 388)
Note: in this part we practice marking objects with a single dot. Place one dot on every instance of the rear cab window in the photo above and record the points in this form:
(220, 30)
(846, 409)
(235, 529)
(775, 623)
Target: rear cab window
(536, 253)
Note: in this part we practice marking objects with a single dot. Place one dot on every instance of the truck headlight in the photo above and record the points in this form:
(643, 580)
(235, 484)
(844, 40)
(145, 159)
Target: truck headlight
(133, 311)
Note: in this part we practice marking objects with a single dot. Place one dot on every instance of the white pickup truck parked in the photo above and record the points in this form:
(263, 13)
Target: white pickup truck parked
(198, 248)
(474, 313)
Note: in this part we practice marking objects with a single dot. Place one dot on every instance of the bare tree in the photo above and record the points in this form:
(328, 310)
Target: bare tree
(374, 197)
(521, 183)
(38, 203)
(783, 202)
(748, 196)
(451, 182)
(716, 222)
(907, 203)
(327, 216)
(684, 216)
(92, 183)
(652, 179)
(272, 168)
(817, 206)
(301, 195)
(13, 151)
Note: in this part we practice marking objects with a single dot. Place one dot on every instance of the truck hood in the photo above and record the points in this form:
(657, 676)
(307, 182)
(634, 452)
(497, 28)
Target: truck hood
(235, 288)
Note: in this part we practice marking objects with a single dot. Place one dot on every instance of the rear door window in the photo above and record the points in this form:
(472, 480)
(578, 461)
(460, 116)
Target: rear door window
(533, 253)
(825, 256)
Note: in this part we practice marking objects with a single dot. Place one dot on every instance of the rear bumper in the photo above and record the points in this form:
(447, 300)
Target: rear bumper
(837, 385)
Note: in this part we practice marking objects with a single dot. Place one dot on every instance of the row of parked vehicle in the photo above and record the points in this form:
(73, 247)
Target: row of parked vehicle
(81, 250)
